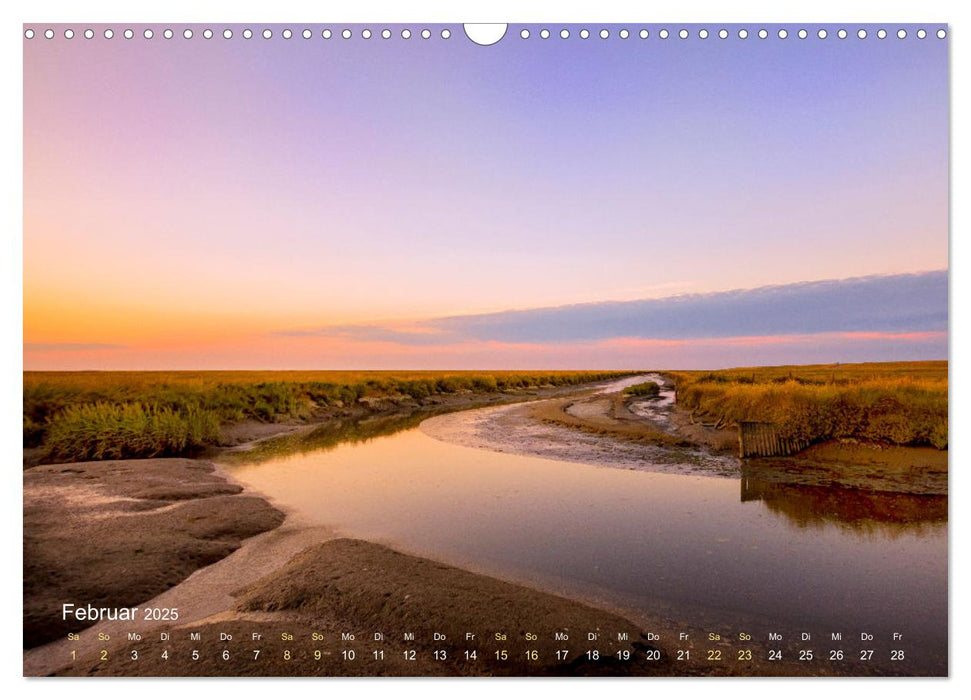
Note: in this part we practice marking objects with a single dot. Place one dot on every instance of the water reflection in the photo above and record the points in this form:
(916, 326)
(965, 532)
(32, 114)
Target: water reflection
(863, 512)
(328, 436)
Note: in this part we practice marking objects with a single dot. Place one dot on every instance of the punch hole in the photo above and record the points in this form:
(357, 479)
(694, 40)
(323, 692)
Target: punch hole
(702, 33)
(489, 34)
(129, 33)
(624, 33)
(446, 33)
(29, 34)
(941, 34)
(207, 34)
(89, 34)
(663, 34)
(168, 33)
(248, 34)
(783, 33)
(68, 33)
(426, 34)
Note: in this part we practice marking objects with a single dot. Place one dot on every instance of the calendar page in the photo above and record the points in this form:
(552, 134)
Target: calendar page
(534, 350)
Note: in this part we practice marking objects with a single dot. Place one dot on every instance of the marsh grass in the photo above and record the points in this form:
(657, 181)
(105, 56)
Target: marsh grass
(120, 431)
(900, 403)
(645, 390)
(110, 415)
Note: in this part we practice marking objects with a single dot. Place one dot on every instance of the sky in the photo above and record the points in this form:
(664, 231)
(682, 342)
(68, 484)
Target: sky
(411, 203)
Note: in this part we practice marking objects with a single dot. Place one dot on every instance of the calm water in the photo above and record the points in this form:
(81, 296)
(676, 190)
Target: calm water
(701, 549)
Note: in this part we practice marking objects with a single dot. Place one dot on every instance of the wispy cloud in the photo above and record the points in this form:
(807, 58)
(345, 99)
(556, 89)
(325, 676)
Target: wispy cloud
(424, 334)
(890, 304)
(70, 347)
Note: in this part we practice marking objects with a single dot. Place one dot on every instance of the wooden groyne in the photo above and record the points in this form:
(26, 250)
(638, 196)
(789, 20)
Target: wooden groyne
(763, 440)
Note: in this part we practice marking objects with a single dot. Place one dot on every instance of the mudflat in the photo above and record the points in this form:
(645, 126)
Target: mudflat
(306, 612)
(118, 533)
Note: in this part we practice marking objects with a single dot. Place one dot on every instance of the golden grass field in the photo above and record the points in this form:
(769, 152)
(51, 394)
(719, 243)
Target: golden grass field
(111, 415)
(899, 403)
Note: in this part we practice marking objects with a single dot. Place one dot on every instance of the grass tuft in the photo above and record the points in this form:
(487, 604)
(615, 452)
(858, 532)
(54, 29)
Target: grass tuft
(122, 431)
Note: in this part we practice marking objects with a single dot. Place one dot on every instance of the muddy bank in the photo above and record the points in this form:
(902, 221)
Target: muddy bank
(596, 427)
(351, 587)
(117, 533)
(660, 422)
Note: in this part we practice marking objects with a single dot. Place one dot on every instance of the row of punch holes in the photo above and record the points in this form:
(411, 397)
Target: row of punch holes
(524, 33)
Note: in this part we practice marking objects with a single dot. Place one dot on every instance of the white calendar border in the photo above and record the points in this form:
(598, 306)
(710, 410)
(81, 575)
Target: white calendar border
(591, 11)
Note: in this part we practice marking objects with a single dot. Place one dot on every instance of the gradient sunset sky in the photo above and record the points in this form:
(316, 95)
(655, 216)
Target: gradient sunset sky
(411, 203)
